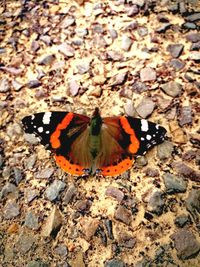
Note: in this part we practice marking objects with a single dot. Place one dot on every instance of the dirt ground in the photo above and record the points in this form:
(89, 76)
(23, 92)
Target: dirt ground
(139, 58)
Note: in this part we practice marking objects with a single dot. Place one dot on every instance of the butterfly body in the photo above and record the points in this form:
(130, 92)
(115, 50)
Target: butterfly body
(83, 145)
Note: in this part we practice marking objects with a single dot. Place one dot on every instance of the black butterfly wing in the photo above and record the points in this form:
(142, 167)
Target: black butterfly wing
(65, 134)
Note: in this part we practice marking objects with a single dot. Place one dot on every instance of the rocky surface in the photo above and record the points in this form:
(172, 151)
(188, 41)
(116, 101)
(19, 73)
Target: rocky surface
(139, 58)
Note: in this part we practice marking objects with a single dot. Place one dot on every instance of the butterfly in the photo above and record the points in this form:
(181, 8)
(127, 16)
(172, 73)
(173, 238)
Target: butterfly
(96, 145)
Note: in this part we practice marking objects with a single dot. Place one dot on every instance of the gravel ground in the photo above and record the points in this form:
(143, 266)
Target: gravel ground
(137, 57)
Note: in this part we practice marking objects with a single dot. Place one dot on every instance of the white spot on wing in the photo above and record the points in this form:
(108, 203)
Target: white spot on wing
(32, 117)
(46, 118)
(142, 139)
(47, 132)
(157, 126)
(144, 125)
(40, 129)
(148, 137)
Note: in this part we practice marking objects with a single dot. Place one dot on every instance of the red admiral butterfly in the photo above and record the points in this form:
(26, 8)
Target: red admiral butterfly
(84, 145)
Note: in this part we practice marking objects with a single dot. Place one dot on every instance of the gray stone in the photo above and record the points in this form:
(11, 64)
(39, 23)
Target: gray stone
(146, 107)
(186, 244)
(37, 263)
(164, 150)
(81, 32)
(163, 28)
(139, 87)
(47, 60)
(175, 50)
(67, 21)
(31, 138)
(31, 221)
(142, 31)
(25, 242)
(14, 130)
(16, 85)
(74, 87)
(52, 192)
(132, 10)
(147, 74)
(113, 34)
(193, 17)
(53, 222)
(45, 173)
(66, 50)
(195, 46)
(190, 25)
(114, 55)
(185, 115)
(141, 161)
(83, 67)
(193, 203)
(193, 37)
(11, 189)
(126, 43)
(35, 46)
(126, 240)
(46, 39)
(174, 184)
(194, 55)
(70, 193)
(30, 194)
(139, 3)
(156, 202)
(4, 85)
(18, 175)
(61, 250)
(182, 220)
(123, 214)
(172, 88)
(114, 263)
(114, 192)
(177, 64)
(183, 169)
(30, 162)
(34, 84)
(11, 210)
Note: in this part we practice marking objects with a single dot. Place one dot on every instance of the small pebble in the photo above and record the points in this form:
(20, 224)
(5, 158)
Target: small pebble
(66, 50)
(175, 50)
(174, 184)
(34, 84)
(147, 74)
(194, 55)
(45, 173)
(185, 115)
(142, 31)
(163, 28)
(193, 37)
(25, 242)
(70, 193)
(164, 150)
(83, 67)
(4, 85)
(123, 214)
(115, 193)
(146, 107)
(53, 191)
(172, 88)
(156, 202)
(177, 64)
(9, 189)
(182, 220)
(73, 87)
(16, 85)
(31, 221)
(114, 263)
(193, 17)
(53, 223)
(18, 175)
(89, 227)
(185, 243)
(126, 43)
(11, 210)
(47, 60)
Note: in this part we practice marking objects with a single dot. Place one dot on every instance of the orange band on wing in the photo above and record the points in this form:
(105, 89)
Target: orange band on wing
(121, 167)
(73, 169)
(54, 139)
(135, 144)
